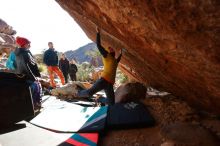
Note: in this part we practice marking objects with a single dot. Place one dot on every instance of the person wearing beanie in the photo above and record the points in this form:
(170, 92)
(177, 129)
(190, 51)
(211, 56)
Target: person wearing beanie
(22, 42)
(107, 79)
(51, 60)
(26, 64)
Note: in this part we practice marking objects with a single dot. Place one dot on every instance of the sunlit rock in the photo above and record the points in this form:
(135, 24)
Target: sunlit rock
(169, 45)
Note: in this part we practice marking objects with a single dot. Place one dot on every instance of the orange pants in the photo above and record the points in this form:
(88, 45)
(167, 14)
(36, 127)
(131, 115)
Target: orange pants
(51, 70)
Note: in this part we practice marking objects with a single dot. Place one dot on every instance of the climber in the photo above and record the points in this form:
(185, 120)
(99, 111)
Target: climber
(51, 60)
(107, 79)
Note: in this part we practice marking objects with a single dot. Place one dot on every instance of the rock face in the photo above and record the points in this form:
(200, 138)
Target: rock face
(68, 90)
(170, 45)
(188, 134)
(6, 36)
(177, 124)
(130, 92)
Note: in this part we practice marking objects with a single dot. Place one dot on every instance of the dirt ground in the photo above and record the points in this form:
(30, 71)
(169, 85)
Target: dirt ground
(176, 124)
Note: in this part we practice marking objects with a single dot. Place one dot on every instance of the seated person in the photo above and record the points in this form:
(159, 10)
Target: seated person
(25, 64)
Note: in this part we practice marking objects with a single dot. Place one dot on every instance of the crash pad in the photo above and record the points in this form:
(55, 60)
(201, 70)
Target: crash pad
(129, 115)
(62, 116)
(26, 134)
(81, 139)
(84, 103)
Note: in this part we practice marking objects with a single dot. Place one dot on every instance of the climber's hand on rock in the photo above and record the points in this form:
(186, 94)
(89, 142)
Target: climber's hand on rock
(97, 29)
(121, 51)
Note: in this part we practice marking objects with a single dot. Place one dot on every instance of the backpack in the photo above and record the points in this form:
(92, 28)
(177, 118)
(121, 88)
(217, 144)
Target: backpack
(16, 98)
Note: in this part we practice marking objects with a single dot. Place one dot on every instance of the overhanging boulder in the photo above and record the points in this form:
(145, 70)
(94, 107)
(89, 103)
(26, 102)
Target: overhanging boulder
(170, 45)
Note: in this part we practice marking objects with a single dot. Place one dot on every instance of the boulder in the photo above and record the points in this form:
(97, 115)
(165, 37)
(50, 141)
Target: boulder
(68, 90)
(130, 92)
(5, 28)
(132, 137)
(7, 39)
(170, 45)
(188, 134)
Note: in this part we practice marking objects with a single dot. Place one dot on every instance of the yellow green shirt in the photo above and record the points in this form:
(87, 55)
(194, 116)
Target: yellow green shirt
(110, 66)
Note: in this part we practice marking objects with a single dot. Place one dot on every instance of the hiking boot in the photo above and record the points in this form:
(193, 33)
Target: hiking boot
(37, 107)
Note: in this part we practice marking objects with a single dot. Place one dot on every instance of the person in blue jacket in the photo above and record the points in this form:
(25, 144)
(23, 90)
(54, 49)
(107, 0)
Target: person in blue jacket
(51, 60)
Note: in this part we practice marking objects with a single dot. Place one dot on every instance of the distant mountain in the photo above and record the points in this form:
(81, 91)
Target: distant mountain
(80, 55)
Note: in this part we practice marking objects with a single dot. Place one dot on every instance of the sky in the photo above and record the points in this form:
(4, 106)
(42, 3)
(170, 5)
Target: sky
(42, 21)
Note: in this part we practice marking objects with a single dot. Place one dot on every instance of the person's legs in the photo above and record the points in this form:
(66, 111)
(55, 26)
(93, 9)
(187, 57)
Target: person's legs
(66, 77)
(59, 73)
(109, 91)
(33, 91)
(97, 86)
(71, 77)
(50, 71)
(36, 92)
(74, 77)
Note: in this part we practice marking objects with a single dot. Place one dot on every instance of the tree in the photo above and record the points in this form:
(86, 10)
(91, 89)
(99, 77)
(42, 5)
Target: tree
(95, 55)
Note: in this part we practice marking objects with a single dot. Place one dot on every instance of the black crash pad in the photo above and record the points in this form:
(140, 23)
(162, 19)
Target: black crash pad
(129, 115)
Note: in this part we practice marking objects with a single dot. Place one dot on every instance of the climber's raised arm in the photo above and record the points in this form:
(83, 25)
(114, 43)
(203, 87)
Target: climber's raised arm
(99, 46)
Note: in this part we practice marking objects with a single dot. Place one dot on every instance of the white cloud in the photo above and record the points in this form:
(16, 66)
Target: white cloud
(42, 21)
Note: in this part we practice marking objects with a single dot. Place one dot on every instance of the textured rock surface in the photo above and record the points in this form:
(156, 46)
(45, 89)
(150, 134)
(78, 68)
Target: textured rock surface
(176, 124)
(5, 28)
(130, 92)
(171, 45)
(132, 137)
(68, 90)
(188, 134)
(6, 36)
(169, 109)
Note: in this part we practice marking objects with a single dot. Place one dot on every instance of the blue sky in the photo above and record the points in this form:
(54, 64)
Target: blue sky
(42, 21)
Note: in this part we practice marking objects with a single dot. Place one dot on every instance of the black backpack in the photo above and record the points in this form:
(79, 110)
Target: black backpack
(15, 98)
